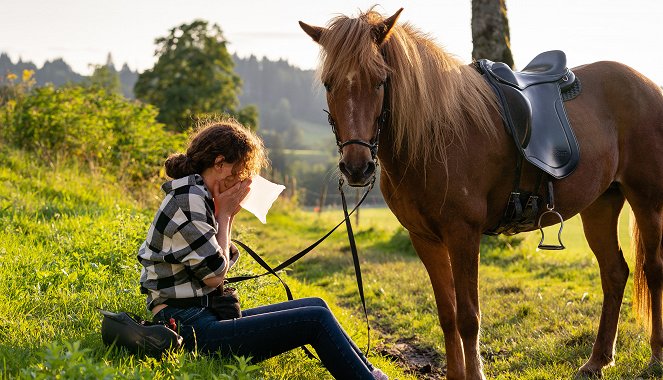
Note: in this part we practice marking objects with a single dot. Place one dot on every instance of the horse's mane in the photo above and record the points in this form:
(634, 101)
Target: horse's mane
(433, 96)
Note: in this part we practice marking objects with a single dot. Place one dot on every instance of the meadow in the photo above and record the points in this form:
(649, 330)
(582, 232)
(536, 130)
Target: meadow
(69, 240)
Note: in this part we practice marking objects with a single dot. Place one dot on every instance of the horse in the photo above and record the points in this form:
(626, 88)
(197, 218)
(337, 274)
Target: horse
(447, 167)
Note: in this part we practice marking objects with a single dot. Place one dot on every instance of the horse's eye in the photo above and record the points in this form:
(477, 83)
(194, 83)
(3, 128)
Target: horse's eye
(327, 86)
(379, 85)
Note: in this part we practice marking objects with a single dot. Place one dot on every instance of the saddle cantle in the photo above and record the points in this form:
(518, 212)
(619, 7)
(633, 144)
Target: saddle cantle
(533, 110)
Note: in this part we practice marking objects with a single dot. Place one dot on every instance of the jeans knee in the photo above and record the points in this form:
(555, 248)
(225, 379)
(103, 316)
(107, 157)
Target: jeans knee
(317, 301)
(321, 315)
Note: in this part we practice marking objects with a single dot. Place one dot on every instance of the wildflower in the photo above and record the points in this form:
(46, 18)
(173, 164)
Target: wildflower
(27, 75)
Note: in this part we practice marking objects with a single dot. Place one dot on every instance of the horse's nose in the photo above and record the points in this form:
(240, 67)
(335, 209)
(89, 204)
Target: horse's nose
(357, 174)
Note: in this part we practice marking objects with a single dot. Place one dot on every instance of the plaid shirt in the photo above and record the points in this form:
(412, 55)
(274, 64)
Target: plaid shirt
(181, 249)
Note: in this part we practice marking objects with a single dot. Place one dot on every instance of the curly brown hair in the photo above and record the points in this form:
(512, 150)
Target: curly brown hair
(226, 137)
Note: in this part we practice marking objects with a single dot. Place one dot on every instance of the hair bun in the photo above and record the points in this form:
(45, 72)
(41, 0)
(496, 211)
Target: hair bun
(178, 165)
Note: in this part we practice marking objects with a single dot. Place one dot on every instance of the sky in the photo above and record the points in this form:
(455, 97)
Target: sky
(83, 32)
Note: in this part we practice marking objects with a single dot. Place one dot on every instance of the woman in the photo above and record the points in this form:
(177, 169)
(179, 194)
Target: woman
(187, 253)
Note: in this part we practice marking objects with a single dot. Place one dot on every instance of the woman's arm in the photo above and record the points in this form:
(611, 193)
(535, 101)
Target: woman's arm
(223, 237)
(227, 205)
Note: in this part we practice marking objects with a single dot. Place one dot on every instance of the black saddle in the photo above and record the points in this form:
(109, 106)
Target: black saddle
(533, 109)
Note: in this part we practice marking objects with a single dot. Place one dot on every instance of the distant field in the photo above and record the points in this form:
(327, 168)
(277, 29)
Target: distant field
(310, 156)
(316, 135)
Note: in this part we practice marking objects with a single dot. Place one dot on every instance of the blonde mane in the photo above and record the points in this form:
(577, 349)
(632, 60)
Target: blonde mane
(433, 96)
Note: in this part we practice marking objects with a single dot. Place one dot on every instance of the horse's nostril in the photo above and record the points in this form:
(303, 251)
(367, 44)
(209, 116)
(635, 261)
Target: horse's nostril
(370, 168)
(361, 171)
(343, 168)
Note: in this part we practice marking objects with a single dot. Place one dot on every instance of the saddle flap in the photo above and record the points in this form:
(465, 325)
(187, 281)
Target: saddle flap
(519, 111)
(555, 148)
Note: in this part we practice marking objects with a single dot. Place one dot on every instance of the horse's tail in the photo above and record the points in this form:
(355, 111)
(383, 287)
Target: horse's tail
(641, 295)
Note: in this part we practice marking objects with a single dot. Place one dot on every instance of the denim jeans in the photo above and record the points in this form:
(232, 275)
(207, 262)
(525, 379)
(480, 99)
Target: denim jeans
(267, 331)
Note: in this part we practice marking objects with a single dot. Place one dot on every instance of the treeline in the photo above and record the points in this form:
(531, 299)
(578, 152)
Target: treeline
(283, 93)
(58, 73)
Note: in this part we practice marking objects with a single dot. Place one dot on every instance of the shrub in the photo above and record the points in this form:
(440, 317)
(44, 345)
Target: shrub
(102, 129)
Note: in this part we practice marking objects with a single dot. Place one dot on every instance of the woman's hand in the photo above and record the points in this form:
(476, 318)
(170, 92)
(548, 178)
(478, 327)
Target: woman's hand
(226, 202)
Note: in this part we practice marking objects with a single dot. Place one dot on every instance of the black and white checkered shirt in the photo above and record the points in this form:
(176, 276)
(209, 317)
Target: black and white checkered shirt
(181, 249)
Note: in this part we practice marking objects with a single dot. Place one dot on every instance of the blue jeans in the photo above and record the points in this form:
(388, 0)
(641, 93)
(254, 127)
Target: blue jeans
(267, 331)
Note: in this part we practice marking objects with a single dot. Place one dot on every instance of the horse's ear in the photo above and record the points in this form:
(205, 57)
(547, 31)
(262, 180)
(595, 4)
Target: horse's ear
(383, 30)
(313, 31)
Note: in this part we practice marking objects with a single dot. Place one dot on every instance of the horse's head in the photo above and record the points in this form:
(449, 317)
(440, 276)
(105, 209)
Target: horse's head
(355, 75)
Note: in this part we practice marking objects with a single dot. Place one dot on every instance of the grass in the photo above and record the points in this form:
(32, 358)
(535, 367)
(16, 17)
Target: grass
(69, 244)
(69, 247)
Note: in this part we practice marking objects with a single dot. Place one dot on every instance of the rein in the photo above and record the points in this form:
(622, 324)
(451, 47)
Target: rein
(302, 253)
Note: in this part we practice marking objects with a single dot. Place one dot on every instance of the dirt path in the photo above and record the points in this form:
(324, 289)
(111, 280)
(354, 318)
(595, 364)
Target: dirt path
(423, 362)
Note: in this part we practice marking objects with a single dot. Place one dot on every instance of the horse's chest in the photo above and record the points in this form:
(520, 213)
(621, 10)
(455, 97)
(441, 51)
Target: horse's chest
(407, 206)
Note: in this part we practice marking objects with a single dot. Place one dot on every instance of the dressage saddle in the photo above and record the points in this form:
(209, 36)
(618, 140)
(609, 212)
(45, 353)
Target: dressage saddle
(533, 110)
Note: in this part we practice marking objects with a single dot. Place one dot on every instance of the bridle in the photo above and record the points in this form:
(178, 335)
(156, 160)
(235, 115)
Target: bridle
(381, 121)
(373, 144)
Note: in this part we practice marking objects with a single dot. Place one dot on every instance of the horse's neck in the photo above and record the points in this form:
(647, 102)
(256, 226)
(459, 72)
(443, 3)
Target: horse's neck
(394, 164)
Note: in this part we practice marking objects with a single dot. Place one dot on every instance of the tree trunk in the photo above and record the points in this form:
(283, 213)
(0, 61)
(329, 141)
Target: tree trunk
(490, 31)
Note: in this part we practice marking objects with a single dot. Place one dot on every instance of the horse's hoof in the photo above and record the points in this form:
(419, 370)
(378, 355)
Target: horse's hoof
(586, 374)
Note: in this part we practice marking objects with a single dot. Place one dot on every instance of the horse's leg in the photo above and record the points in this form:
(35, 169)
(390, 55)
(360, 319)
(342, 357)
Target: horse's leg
(436, 260)
(600, 224)
(463, 241)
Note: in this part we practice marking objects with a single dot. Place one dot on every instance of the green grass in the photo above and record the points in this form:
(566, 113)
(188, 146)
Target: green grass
(540, 309)
(69, 247)
(69, 240)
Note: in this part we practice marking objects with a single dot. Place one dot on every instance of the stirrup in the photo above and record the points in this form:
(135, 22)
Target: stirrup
(551, 247)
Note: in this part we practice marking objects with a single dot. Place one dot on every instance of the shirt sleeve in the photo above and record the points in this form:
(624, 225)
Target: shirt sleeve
(194, 242)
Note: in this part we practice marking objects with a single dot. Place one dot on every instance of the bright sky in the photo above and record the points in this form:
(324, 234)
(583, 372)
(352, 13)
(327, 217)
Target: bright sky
(83, 32)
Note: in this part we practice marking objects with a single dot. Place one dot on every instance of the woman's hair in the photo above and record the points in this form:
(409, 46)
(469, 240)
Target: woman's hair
(236, 143)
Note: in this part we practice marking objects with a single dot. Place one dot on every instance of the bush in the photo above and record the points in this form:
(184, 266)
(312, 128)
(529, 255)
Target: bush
(89, 124)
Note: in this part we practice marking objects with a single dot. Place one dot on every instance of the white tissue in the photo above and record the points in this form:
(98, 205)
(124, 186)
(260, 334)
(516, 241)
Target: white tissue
(262, 195)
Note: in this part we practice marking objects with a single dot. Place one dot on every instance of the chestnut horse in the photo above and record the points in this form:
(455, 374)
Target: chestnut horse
(447, 168)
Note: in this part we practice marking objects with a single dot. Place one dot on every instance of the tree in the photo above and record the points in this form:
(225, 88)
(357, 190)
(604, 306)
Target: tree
(193, 75)
(490, 31)
(106, 78)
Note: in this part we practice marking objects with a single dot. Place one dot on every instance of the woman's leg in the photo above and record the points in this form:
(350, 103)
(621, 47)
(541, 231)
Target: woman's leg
(266, 335)
(303, 302)
(286, 305)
